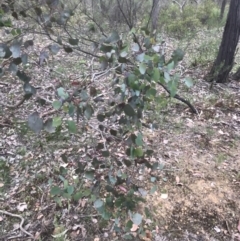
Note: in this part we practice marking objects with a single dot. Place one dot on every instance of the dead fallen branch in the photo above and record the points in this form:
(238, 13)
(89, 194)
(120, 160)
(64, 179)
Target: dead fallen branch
(20, 225)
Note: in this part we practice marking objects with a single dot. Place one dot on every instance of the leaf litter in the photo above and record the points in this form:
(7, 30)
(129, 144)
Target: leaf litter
(197, 193)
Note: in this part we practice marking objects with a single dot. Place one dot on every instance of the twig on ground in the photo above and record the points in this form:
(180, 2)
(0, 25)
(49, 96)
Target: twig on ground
(21, 224)
(2, 83)
(49, 113)
(102, 73)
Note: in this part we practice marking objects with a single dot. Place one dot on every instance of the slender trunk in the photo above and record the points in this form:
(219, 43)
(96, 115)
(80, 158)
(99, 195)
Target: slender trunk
(225, 58)
(223, 5)
(155, 14)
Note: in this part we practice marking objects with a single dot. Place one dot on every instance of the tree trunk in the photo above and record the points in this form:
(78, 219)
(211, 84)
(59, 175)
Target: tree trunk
(223, 5)
(155, 14)
(225, 58)
(236, 75)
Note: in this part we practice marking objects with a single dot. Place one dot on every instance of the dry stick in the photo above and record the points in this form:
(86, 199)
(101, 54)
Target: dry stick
(51, 112)
(102, 73)
(21, 224)
(176, 96)
(3, 83)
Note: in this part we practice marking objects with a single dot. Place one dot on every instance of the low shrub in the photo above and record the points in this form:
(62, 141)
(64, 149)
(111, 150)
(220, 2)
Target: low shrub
(178, 23)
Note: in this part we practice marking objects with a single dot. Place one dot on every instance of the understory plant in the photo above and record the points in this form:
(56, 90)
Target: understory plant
(135, 68)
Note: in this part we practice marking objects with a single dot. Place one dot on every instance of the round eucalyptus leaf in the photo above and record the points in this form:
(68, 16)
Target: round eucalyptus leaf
(98, 203)
(48, 126)
(54, 48)
(137, 218)
(142, 68)
(128, 110)
(15, 48)
(35, 123)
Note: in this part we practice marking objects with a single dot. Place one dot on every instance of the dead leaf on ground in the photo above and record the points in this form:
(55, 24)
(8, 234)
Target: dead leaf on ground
(21, 207)
(134, 228)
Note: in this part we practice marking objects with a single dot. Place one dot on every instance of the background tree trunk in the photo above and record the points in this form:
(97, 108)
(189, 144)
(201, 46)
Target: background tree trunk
(223, 5)
(225, 58)
(155, 14)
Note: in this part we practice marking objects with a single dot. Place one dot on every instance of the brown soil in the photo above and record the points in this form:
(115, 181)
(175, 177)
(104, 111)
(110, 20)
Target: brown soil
(202, 155)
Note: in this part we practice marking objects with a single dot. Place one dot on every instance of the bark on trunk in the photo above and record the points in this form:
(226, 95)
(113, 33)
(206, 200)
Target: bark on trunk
(155, 14)
(223, 5)
(236, 76)
(225, 58)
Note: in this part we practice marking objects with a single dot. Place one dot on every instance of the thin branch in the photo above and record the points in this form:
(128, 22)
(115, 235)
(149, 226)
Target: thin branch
(124, 16)
(102, 73)
(21, 224)
(176, 96)
(46, 32)
(150, 15)
(51, 112)
(98, 25)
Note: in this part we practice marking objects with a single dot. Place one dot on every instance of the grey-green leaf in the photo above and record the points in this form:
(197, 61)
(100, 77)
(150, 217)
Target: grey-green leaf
(71, 126)
(98, 203)
(24, 58)
(35, 123)
(62, 93)
(57, 121)
(70, 189)
(188, 82)
(137, 218)
(55, 190)
(177, 55)
(57, 104)
(114, 37)
(156, 74)
(153, 190)
(89, 175)
(16, 49)
(101, 117)
(29, 89)
(135, 47)
(142, 68)
(88, 112)
(48, 126)
(140, 57)
(54, 48)
(172, 86)
(73, 41)
(139, 140)
(13, 68)
(3, 50)
(128, 110)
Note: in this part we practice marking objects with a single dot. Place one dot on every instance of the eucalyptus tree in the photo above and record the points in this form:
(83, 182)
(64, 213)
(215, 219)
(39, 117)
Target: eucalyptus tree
(225, 58)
